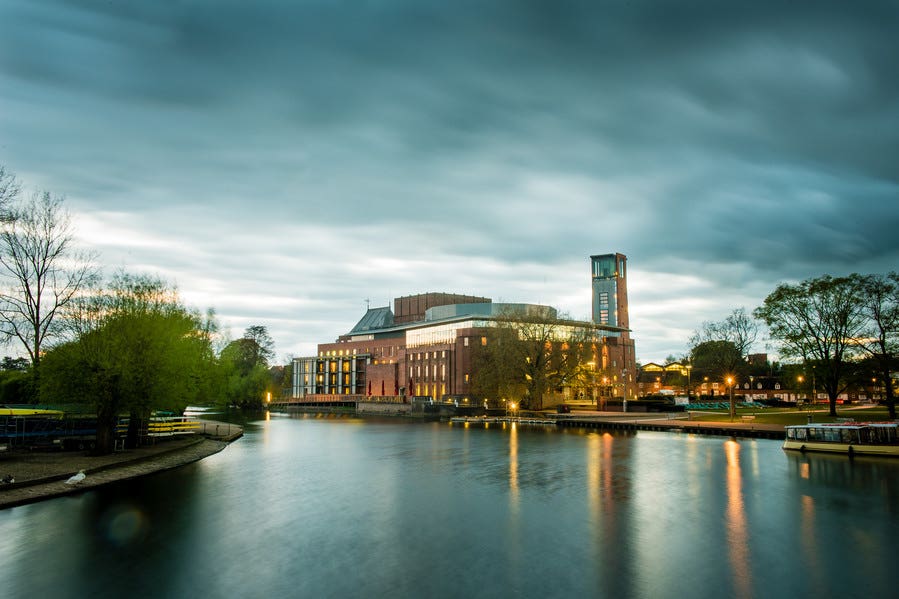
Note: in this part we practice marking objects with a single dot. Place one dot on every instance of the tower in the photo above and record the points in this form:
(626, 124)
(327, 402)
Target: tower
(610, 291)
(619, 359)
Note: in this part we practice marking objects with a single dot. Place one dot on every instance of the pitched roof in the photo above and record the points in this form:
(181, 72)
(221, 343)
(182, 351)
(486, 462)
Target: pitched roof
(374, 318)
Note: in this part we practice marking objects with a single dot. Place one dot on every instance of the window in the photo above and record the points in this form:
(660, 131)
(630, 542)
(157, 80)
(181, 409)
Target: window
(604, 298)
(483, 341)
(465, 341)
(604, 316)
(466, 377)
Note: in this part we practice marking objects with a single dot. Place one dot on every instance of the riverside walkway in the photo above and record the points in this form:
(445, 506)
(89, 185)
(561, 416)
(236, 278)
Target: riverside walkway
(675, 422)
(43, 474)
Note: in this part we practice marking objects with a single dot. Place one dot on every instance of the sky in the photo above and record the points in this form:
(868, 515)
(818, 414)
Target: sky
(290, 162)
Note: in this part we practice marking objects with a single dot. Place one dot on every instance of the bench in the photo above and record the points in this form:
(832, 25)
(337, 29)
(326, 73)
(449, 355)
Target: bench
(747, 418)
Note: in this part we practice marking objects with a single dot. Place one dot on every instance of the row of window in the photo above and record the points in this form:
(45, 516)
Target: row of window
(426, 355)
(416, 370)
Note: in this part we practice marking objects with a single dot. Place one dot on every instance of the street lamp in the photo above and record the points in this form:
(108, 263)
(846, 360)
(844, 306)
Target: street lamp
(799, 380)
(688, 368)
(730, 383)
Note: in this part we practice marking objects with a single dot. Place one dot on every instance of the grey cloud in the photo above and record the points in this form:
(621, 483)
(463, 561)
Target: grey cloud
(748, 142)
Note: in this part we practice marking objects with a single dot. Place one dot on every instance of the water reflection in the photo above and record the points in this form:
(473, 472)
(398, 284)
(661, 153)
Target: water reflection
(336, 507)
(737, 541)
(513, 468)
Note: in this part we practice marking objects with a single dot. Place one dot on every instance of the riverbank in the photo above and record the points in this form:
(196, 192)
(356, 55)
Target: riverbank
(745, 428)
(43, 474)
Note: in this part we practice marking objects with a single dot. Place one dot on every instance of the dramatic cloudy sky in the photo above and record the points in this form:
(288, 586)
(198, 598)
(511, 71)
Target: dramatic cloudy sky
(286, 161)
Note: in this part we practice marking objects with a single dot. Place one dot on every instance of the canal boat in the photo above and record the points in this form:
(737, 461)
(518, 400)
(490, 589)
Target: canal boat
(868, 438)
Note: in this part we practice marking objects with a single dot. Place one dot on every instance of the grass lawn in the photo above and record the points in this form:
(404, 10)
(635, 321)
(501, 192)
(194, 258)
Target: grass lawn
(793, 416)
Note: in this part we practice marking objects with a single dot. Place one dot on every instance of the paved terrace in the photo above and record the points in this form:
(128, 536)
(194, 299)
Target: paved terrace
(674, 422)
(43, 474)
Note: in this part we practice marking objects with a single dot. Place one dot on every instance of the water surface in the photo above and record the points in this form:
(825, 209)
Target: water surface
(341, 507)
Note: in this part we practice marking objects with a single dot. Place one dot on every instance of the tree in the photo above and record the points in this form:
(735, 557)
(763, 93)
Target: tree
(40, 270)
(717, 359)
(263, 343)
(818, 320)
(529, 354)
(880, 340)
(739, 329)
(245, 366)
(135, 349)
(9, 191)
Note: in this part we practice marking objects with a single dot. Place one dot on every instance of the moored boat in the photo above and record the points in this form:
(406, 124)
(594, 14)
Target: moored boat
(868, 438)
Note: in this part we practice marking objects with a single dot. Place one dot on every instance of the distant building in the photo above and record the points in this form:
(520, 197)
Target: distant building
(423, 347)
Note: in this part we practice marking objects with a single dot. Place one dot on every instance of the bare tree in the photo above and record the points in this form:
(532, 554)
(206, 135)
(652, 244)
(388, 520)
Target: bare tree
(880, 300)
(529, 355)
(9, 191)
(739, 328)
(40, 270)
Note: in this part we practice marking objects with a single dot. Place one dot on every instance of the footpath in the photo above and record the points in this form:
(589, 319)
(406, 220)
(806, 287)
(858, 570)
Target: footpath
(670, 422)
(44, 474)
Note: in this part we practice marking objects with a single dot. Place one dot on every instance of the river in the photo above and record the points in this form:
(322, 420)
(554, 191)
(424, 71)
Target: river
(314, 506)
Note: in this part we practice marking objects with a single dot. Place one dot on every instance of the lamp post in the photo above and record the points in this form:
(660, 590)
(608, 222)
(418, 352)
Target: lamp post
(799, 380)
(688, 368)
(730, 383)
(603, 392)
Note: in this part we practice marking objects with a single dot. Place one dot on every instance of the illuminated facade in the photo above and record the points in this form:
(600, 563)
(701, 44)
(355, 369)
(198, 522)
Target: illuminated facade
(424, 346)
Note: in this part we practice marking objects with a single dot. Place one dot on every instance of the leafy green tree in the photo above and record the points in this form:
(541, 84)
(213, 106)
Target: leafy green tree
(244, 364)
(20, 364)
(16, 387)
(135, 349)
(818, 321)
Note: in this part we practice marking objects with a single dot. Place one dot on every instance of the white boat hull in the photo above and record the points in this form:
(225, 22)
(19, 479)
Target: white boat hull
(847, 448)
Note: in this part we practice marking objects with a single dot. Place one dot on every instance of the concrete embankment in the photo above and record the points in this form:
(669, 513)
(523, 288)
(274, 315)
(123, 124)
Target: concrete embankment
(42, 475)
(666, 424)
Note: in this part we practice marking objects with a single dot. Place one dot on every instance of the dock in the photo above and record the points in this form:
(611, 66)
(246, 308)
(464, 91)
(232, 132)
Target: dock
(745, 428)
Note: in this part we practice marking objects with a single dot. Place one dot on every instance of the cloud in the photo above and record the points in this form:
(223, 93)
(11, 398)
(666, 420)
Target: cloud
(284, 161)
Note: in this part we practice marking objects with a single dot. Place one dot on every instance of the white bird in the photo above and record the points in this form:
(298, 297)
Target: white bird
(77, 478)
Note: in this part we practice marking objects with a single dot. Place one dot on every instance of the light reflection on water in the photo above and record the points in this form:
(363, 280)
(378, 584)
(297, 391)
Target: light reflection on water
(342, 507)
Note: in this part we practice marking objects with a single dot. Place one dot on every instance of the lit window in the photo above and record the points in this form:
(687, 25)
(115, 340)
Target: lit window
(483, 341)
(466, 377)
(465, 341)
